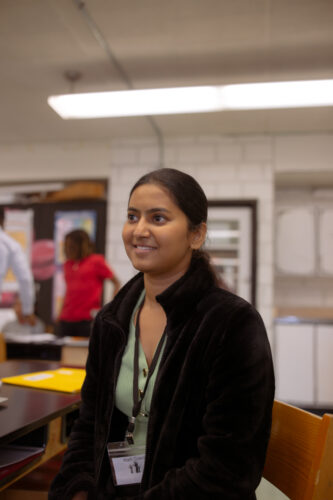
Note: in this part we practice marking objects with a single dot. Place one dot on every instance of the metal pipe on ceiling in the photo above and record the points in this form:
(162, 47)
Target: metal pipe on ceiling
(101, 40)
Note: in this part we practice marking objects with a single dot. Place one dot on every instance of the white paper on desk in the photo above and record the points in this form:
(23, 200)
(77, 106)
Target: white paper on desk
(76, 341)
(27, 338)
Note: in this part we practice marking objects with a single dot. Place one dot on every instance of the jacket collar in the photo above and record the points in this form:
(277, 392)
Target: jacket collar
(178, 300)
(181, 298)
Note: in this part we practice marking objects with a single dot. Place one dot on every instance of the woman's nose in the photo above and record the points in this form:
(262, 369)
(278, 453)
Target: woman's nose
(141, 228)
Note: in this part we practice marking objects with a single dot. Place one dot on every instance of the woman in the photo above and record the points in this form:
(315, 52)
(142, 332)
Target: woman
(204, 417)
(85, 273)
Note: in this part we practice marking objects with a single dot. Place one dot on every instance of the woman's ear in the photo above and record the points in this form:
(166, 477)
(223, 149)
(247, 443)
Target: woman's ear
(198, 236)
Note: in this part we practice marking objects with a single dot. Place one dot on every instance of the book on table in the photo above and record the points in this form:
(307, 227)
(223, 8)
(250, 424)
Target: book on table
(62, 379)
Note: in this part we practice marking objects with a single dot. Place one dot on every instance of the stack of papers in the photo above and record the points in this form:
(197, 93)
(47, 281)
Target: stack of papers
(30, 338)
(76, 341)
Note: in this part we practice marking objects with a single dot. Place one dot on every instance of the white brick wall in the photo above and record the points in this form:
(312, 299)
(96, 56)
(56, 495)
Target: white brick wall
(225, 167)
(308, 153)
(25, 162)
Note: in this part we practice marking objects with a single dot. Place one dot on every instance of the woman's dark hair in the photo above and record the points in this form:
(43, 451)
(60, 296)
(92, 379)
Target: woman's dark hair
(82, 241)
(183, 188)
(2, 215)
(188, 195)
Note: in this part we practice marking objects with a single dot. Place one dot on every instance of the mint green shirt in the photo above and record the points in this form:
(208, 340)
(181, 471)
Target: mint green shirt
(124, 389)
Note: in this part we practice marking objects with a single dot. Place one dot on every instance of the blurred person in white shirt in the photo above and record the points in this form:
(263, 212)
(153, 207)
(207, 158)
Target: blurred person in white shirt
(13, 257)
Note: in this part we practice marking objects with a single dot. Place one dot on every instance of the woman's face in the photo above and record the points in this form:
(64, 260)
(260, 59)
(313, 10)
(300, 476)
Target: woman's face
(71, 249)
(156, 235)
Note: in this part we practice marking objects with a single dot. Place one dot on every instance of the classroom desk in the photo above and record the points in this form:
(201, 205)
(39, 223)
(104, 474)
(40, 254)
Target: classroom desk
(72, 351)
(42, 351)
(34, 414)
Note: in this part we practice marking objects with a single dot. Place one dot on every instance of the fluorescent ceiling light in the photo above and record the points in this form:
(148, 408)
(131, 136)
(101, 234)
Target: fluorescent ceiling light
(200, 99)
(31, 188)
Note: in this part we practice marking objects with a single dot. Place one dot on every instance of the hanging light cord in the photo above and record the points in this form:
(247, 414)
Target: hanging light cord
(105, 46)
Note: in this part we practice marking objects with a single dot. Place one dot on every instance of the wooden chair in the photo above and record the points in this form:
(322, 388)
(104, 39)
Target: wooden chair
(3, 348)
(36, 484)
(299, 459)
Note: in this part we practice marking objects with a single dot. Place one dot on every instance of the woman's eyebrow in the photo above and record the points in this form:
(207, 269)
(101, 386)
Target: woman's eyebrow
(151, 210)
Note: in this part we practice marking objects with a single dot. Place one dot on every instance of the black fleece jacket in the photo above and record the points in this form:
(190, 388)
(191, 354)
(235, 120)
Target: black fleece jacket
(210, 413)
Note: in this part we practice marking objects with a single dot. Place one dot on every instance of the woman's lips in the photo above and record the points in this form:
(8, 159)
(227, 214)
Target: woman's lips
(143, 248)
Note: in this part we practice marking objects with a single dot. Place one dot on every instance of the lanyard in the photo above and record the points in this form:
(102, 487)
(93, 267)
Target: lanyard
(138, 395)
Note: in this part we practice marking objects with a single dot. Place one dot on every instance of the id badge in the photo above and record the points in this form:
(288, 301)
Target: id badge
(127, 462)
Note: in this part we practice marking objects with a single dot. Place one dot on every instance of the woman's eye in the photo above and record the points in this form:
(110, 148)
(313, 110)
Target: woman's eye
(159, 218)
(132, 218)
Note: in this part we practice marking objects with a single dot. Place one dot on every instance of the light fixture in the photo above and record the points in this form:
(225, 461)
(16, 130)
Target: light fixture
(200, 99)
(27, 188)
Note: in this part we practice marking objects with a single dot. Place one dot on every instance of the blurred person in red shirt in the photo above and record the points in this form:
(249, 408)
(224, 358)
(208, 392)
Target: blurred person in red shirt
(85, 273)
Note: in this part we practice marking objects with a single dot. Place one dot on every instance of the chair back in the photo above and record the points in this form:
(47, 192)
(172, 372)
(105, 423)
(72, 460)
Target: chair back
(299, 459)
(3, 348)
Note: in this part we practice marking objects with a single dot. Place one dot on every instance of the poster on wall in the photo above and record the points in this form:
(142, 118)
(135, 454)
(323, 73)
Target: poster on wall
(64, 222)
(19, 225)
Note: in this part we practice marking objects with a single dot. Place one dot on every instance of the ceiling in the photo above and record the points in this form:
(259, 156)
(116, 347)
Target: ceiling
(158, 43)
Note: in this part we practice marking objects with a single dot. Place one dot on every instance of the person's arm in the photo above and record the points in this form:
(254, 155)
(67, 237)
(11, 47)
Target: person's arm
(105, 272)
(20, 266)
(29, 319)
(116, 285)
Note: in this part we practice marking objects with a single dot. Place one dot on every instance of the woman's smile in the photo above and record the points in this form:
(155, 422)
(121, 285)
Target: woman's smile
(144, 248)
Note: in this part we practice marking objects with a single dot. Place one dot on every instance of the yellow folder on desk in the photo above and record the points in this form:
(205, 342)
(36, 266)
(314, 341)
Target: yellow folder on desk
(62, 379)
